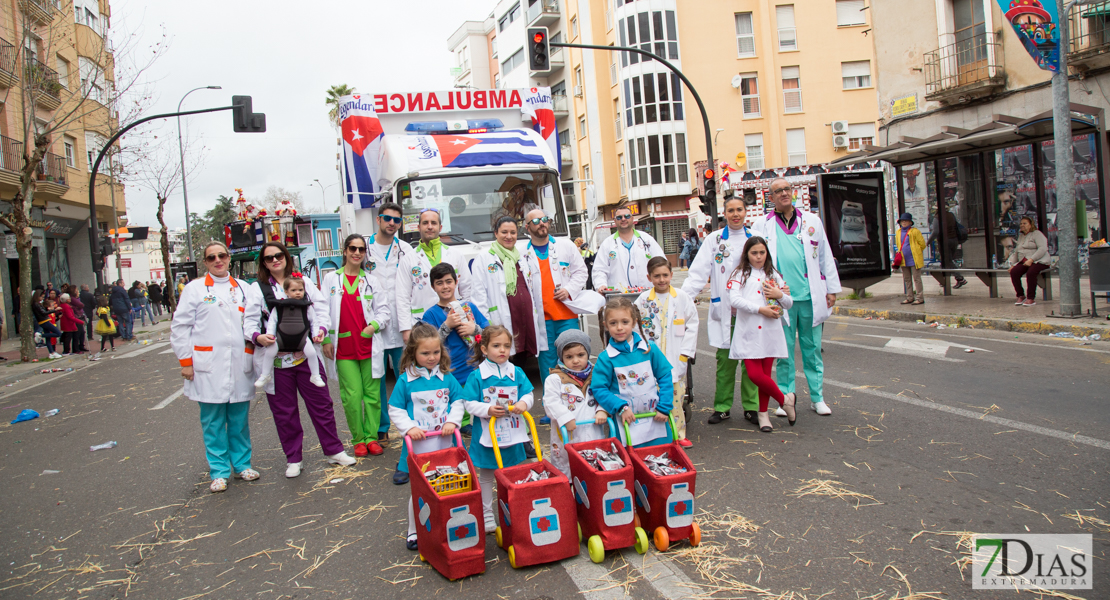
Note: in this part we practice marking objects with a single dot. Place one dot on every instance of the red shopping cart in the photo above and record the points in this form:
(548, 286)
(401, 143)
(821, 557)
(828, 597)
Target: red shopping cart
(537, 522)
(665, 502)
(606, 511)
(448, 507)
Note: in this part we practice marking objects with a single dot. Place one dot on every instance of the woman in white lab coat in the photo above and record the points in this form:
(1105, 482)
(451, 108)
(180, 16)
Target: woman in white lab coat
(207, 337)
(493, 272)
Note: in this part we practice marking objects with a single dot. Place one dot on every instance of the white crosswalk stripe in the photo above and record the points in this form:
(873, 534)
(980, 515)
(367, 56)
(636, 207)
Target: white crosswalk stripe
(144, 350)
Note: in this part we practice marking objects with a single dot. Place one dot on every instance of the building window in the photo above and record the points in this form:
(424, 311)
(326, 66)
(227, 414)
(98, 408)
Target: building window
(749, 94)
(513, 61)
(93, 143)
(860, 135)
(578, 76)
(617, 121)
(788, 33)
(745, 36)
(585, 175)
(614, 75)
(609, 15)
(512, 15)
(71, 151)
(652, 36)
(796, 147)
(791, 90)
(581, 127)
(652, 97)
(753, 142)
(623, 178)
(849, 12)
(564, 137)
(323, 241)
(63, 72)
(573, 27)
(493, 48)
(659, 159)
(856, 74)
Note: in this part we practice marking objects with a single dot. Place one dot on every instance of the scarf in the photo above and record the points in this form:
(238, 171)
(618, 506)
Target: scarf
(432, 249)
(509, 259)
(578, 378)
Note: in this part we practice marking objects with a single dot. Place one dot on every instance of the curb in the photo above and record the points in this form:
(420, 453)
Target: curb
(70, 361)
(1038, 327)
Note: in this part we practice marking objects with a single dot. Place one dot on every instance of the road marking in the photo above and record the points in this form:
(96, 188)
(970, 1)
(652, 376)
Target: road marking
(50, 380)
(843, 321)
(926, 345)
(144, 350)
(170, 351)
(665, 577)
(589, 576)
(893, 350)
(166, 402)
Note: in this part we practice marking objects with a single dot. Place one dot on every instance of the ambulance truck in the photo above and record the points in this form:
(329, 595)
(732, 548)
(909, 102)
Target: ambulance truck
(474, 155)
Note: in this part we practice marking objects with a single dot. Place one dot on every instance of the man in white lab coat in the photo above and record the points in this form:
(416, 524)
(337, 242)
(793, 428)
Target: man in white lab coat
(622, 258)
(800, 249)
(414, 289)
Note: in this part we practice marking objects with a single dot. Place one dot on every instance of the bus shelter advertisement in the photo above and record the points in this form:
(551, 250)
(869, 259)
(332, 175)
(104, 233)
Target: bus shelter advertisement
(855, 226)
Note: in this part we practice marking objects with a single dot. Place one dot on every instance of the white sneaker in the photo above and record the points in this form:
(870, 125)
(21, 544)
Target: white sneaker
(261, 382)
(491, 526)
(55, 356)
(316, 381)
(341, 459)
(822, 409)
(292, 470)
(779, 412)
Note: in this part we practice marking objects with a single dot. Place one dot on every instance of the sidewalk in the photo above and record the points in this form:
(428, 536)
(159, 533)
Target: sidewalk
(12, 369)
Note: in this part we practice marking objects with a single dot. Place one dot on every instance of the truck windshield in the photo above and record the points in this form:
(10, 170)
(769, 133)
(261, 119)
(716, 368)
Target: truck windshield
(470, 204)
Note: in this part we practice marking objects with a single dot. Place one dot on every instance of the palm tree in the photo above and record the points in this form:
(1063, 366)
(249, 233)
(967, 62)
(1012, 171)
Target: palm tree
(336, 92)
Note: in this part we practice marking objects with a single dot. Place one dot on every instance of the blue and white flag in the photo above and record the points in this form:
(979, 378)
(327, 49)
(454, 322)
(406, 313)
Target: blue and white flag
(510, 146)
(362, 144)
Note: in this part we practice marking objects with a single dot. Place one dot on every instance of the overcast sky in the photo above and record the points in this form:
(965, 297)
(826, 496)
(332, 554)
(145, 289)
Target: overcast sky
(286, 55)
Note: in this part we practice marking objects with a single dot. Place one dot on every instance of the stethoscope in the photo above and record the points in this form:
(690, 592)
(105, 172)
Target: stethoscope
(400, 250)
(628, 267)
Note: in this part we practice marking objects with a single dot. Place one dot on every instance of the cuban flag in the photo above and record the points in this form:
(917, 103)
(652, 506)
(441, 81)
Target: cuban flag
(362, 144)
(259, 231)
(509, 146)
(538, 104)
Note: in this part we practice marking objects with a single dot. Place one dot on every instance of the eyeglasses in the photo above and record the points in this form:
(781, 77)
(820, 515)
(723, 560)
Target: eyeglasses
(272, 258)
(389, 219)
(358, 249)
(780, 190)
(215, 257)
(622, 217)
(539, 220)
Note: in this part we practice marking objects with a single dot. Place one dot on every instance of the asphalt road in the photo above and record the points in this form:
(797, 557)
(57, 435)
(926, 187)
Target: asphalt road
(926, 443)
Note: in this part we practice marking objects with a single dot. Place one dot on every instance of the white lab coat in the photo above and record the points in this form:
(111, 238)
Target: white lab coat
(565, 402)
(757, 336)
(373, 309)
(489, 295)
(257, 309)
(414, 287)
(674, 330)
(821, 262)
(207, 334)
(385, 269)
(616, 266)
(568, 271)
(716, 260)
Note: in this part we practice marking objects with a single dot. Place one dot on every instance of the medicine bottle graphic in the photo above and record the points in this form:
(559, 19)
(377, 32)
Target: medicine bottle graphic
(618, 504)
(680, 506)
(462, 529)
(543, 523)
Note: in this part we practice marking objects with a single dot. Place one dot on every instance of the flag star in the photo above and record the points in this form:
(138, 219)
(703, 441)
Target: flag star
(458, 142)
(355, 135)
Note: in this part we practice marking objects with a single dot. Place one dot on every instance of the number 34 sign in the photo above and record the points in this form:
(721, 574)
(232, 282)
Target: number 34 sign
(426, 193)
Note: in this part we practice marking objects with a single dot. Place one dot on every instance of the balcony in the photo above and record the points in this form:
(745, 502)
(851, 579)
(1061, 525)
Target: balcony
(327, 252)
(8, 76)
(11, 161)
(561, 105)
(543, 13)
(44, 80)
(52, 175)
(1089, 36)
(969, 68)
(39, 11)
(558, 59)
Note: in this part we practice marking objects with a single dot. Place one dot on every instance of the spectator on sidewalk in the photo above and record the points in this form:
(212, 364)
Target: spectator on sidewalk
(79, 314)
(134, 294)
(49, 332)
(71, 335)
(912, 246)
(120, 304)
(144, 303)
(105, 323)
(154, 292)
(89, 302)
(1029, 258)
(953, 232)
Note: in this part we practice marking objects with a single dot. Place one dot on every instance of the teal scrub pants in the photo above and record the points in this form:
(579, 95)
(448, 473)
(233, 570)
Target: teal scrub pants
(550, 357)
(227, 437)
(801, 328)
(391, 354)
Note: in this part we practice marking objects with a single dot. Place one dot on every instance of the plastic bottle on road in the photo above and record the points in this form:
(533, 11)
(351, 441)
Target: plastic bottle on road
(50, 413)
(104, 446)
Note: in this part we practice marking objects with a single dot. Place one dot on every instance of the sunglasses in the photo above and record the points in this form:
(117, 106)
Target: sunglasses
(539, 220)
(622, 217)
(780, 190)
(359, 249)
(272, 258)
(215, 257)
(389, 219)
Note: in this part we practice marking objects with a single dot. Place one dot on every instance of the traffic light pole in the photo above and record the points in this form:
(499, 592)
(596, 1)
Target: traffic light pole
(94, 231)
(710, 198)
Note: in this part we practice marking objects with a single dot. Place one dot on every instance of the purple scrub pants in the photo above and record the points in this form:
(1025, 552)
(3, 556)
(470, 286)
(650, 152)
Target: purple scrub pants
(287, 414)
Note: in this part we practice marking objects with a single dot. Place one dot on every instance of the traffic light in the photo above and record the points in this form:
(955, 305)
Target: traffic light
(539, 52)
(244, 120)
(710, 183)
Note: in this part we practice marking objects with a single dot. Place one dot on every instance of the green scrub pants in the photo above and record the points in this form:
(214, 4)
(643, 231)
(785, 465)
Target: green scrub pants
(361, 397)
(801, 328)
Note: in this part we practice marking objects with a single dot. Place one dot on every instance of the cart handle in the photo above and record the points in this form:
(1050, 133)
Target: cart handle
(408, 439)
(628, 435)
(566, 437)
(531, 427)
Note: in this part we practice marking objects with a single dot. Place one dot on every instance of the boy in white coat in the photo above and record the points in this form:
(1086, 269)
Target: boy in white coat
(670, 319)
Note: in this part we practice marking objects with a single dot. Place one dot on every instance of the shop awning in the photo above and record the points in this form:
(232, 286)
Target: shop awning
(666, 215)
(1001, 131)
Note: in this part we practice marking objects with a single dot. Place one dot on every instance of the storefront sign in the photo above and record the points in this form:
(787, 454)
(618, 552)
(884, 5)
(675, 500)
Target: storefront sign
(903, 105)
(60, 228)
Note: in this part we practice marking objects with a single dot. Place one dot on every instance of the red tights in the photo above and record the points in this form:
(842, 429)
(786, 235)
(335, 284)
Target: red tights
(759, 371)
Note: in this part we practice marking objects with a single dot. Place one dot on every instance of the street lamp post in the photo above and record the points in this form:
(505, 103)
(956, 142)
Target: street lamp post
(323, 196)
(184, 189)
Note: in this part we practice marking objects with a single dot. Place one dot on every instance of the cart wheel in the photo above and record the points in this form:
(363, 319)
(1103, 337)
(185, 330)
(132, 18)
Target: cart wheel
(641, 541)
(422, 559)
(579, 533)
(695, 535)
(662, 540)
(596, 548)
(497, 534)
(512, 557)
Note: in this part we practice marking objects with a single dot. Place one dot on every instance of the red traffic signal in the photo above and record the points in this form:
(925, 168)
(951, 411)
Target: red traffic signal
(539, 50)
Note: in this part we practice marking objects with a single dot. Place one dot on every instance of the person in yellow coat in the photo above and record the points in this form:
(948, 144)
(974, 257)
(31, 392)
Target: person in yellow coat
(911, 244)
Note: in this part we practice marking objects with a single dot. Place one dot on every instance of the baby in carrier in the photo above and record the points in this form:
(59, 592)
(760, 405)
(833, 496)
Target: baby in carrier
(291, 323)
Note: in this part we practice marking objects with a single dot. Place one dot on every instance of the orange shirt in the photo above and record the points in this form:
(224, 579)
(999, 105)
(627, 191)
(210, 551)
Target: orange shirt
(553, 310)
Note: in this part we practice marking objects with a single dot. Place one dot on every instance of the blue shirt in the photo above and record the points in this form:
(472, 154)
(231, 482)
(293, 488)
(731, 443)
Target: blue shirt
(907, 252)
(541, 251)
(458, 350)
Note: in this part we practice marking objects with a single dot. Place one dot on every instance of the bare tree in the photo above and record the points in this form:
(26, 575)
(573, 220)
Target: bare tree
(110, 76)
(275, 195)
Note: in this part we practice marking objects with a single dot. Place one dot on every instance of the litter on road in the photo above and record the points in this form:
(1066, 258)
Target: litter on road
(103, 446)
(25, 415)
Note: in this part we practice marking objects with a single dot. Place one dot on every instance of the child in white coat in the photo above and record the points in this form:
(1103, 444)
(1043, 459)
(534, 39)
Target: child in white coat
(670, 320)
(567, 398)
(756, 291)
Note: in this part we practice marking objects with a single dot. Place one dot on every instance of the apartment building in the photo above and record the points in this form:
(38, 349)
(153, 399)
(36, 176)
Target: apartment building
(56, 66)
